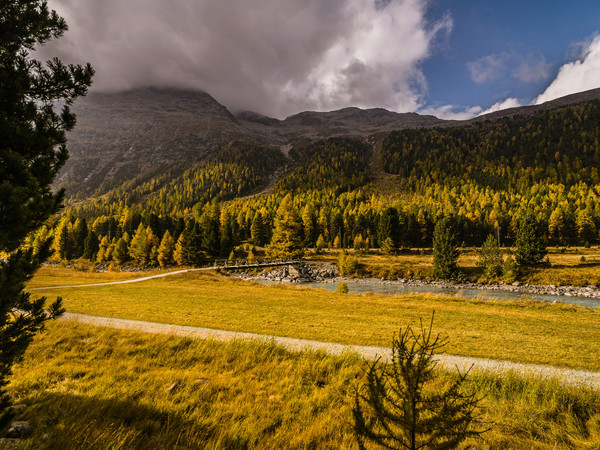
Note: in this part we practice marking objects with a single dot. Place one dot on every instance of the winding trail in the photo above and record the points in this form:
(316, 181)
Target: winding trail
(133, 280)
(567, 376)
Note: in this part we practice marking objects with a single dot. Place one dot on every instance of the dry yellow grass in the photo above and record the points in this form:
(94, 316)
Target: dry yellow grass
(91, 387)
(531, 332)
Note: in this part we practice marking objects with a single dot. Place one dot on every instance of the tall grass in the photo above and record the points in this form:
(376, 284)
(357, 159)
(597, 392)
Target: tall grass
(91, 387)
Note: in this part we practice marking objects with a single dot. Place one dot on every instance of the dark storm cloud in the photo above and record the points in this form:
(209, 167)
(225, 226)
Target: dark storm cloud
(271, 56)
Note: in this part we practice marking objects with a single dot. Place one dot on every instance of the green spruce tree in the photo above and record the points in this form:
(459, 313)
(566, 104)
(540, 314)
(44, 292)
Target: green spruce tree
(530, 245)
(35, 100)
(490, 258)
(91, 246)
(445, 252)
(401, 405)
(388, 230)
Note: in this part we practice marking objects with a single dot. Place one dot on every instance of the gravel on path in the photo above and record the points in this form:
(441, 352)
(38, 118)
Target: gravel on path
(567, 376)
(134, 280)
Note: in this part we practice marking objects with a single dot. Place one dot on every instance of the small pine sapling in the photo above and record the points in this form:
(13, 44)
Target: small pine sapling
(406, 405)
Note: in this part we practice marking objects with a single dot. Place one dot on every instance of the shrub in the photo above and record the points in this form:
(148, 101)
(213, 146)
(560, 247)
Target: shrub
(347, 265)
(342, 287)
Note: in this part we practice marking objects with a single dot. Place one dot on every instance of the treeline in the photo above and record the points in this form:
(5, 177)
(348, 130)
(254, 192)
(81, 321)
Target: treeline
(560, 146)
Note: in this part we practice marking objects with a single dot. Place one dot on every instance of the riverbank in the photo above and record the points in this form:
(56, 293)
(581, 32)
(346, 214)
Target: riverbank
(313, 273)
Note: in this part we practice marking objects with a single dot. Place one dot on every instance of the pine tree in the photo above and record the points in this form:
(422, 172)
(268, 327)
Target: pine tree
(101, 255)
(388, 230)
(402, 407)
(80, 231)
(90, 246)
(257, 233)
(320, 244)
(445, 253)
(586, 228)
(188, 250)
(490, 258)
(63, 239)
(32, 151)
(139, 249)
(227, 238)
(153, 244)
(120, 253)
(166, 250)
(531, 249)
(209, 224)
(108, 253)
(287, 235)
(309, 223)
(557, 225)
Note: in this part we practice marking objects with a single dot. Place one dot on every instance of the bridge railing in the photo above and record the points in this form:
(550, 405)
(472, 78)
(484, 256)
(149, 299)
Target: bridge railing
(264, 262)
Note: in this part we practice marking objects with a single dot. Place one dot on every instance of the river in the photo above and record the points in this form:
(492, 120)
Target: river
(488, 294)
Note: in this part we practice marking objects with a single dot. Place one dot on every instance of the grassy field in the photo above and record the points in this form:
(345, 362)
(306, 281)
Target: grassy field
(57, 276)
(566, 265)
(90, 387)
(532, 332)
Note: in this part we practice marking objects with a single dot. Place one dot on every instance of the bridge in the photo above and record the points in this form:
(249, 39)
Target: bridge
(227, 264)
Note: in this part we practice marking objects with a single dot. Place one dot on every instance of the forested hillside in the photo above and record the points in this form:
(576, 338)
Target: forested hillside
(386, 190)
(559, 146)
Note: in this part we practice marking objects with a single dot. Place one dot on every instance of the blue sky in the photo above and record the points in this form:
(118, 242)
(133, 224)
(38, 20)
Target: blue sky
(512, 34)
(450, 58)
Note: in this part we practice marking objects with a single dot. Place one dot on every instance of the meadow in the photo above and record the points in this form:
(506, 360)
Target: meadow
(92, 387)
(524, 331)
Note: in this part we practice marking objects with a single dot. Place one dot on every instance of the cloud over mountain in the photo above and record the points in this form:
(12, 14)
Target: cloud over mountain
(576, 76)
(271, 56)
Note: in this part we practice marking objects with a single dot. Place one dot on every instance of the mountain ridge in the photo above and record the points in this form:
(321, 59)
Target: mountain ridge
(144, 132)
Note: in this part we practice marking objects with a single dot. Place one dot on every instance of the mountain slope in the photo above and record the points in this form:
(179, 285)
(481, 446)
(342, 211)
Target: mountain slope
(132, 139)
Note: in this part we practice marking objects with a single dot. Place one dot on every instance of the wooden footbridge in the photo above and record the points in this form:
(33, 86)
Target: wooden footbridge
(228, 264)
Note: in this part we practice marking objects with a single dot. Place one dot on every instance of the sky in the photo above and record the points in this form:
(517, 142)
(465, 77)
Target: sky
(454, 59)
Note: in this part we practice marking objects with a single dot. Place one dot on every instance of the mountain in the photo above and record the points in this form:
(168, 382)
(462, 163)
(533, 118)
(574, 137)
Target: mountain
(129, 139)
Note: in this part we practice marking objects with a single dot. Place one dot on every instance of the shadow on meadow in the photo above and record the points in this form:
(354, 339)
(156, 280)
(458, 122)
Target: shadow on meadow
(64, 421)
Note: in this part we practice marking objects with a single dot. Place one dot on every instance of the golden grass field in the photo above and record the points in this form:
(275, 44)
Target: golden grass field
(91, 387)
(530, 332)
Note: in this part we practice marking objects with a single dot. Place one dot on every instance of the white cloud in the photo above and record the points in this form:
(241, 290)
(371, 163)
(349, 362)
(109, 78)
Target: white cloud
(577, 76)
(452, 112)
(487, 68)
(272, 56)
(510, 102)
(531, 70)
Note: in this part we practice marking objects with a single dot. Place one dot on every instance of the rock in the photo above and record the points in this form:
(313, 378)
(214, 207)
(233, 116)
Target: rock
(173, 387)
(19, 430)
(516, 283)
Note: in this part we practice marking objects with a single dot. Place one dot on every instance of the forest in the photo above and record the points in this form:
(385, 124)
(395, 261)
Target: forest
(343, 192)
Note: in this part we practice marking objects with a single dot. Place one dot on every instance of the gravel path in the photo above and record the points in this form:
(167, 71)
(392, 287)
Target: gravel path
(134, 280)
(568, 376)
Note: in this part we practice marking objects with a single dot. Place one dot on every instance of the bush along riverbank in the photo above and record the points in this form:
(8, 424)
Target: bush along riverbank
(313, 273)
